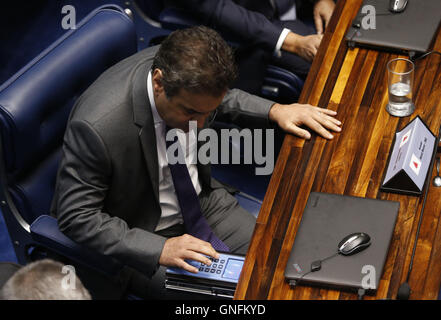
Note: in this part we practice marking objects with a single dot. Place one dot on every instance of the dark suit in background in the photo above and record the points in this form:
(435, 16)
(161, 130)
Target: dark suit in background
(256, 26)
(106, 195)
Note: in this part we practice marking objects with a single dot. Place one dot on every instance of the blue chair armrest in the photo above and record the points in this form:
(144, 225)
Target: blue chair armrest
(285, 75)
(288, 84)
(249, 203)
(172, 18)
(45, 231)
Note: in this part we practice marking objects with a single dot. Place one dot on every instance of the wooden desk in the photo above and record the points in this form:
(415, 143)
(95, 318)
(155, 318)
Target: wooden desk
(354, 83)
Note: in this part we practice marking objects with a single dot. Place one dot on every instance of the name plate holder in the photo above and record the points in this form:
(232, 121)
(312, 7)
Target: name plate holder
(411, 157)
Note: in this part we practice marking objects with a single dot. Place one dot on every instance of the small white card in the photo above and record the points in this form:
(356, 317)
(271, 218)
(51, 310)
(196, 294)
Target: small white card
(410, 159)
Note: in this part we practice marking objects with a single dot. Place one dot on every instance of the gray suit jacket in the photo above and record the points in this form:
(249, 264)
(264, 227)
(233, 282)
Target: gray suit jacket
(106, 196)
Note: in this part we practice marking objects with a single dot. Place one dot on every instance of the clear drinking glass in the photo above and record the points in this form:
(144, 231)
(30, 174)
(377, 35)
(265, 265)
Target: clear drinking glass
(400, 84)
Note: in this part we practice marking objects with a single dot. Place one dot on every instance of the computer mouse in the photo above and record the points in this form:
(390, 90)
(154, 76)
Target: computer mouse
(397, 6)
(354, 243)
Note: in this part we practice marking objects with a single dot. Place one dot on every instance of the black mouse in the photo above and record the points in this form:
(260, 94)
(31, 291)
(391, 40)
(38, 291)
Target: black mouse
(354, 243)
(397, 6)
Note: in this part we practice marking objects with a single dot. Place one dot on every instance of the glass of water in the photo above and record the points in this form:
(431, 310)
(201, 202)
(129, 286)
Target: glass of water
(400, 84)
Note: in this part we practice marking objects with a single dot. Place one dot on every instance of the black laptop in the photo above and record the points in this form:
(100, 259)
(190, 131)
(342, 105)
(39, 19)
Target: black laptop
(409, 31)
(326, 220)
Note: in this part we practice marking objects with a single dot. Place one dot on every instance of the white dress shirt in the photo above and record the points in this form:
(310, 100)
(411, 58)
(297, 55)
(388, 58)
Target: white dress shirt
(282, 37)
(170, 209)
(289, 15)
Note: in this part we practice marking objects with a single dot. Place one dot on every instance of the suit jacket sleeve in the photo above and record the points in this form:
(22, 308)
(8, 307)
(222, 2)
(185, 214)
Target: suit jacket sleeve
(83, 180)
(240, 107)
(230, 18)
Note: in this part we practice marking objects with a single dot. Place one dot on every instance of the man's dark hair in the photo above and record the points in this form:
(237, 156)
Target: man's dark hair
(195, 59)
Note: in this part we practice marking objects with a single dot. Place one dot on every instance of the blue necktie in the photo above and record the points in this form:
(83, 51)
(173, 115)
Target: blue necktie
(195, 223)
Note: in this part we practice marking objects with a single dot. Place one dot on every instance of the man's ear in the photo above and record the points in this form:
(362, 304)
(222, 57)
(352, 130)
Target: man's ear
(158, 88)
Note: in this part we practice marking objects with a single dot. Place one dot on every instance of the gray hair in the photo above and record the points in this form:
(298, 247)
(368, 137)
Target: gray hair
(42, 280)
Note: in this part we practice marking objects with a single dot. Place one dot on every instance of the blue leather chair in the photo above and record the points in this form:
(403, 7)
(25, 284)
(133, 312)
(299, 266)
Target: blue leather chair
(34, 109)
(279, 84)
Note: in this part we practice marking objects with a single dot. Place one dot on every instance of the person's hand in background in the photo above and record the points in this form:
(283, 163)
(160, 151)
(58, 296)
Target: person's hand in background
(304, 46)
(323, 10)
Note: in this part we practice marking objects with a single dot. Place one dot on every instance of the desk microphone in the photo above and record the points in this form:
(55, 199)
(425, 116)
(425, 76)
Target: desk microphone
(405, 290)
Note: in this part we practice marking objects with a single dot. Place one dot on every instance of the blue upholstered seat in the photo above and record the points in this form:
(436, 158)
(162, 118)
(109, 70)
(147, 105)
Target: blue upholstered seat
(34, 108)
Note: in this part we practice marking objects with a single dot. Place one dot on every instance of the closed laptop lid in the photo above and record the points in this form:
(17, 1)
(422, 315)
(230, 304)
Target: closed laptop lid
(411, 30)
(326, 220)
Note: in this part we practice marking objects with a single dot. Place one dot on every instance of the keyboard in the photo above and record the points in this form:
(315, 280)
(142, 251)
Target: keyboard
(220, 278)
(226, 268)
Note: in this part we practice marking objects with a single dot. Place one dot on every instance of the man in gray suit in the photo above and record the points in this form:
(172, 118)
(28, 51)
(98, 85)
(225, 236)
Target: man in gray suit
(115, 191)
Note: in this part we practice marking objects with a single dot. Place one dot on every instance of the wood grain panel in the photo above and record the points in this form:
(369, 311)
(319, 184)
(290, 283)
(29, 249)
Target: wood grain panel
(352, 82)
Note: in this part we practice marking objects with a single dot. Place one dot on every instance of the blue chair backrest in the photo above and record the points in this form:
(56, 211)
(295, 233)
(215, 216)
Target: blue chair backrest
(35, 103)
(152, 8)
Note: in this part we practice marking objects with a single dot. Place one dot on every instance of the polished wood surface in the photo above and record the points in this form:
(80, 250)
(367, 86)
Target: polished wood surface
(354, 83)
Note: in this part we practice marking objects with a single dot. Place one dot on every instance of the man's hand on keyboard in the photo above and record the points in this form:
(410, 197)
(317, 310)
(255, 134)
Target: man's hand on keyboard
(186, 247)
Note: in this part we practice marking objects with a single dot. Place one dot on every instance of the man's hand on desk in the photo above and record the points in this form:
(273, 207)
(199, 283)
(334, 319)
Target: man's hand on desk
(291, 117)
(186, 247)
